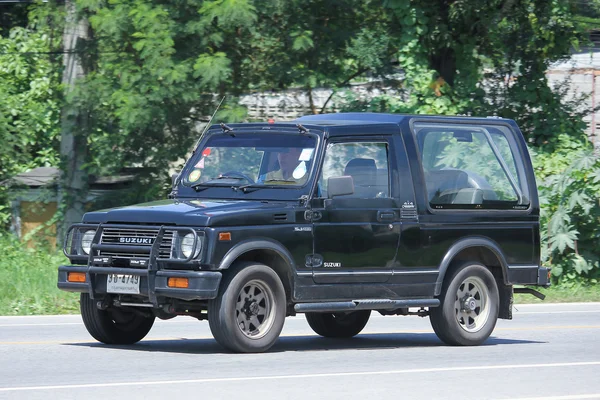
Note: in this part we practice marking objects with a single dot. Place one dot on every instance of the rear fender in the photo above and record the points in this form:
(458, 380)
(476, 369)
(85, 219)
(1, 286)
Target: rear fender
(464, 244)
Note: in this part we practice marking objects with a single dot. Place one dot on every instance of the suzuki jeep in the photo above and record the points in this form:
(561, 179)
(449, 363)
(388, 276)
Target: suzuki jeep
(334, 216)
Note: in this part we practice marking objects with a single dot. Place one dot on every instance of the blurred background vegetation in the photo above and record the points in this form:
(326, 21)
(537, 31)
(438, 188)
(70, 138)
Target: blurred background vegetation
(154, 70)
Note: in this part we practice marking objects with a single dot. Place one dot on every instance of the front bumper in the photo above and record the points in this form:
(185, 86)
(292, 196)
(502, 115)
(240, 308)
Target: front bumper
(203, 285)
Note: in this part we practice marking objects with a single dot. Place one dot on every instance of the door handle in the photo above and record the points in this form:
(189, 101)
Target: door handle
(386, 216)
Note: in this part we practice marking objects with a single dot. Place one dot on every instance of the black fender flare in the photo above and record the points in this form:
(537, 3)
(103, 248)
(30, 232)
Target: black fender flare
(256, 244)
(466, 243)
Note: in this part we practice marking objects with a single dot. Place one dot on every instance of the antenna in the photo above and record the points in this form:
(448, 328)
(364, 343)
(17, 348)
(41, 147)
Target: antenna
(176, 181)
(207, 125)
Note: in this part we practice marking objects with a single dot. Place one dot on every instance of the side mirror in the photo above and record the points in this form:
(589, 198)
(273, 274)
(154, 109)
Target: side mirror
(339, 186)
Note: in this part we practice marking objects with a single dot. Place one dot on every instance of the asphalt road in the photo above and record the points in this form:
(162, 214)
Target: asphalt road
(548, 351)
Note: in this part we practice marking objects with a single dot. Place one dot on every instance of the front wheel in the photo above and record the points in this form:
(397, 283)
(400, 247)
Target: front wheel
(468, 311)
(338, 325)
(113, 326)
(247, 315)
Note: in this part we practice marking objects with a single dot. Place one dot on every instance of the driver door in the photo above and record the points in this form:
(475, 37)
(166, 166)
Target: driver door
(356, 235)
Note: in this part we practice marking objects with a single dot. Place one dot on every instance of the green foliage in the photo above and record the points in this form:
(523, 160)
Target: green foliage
(569, 187)
(12, 15)
(589, 9)
(30, 106)
(484, 58)
(28, 280)
(153, 67)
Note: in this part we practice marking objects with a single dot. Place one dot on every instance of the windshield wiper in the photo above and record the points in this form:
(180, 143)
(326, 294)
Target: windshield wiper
(206, 184)
(257, 187)
(280, 181)
(239, 178)
(200, 186)
(244, 187)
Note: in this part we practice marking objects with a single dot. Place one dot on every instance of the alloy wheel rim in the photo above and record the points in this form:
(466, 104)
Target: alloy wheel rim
(254, 309)
(471, 304)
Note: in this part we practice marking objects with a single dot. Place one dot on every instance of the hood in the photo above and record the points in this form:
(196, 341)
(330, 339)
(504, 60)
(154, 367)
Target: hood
(193, 213)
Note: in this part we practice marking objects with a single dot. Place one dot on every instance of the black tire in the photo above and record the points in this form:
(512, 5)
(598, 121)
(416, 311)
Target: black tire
(338, 325)
(469, 306)
(247, 315)
(113, 326)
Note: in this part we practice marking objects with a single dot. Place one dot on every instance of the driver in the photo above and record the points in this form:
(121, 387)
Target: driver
(290, 168)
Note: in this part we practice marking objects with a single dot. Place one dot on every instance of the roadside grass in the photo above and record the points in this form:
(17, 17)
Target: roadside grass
(28, 280)
(28, 283)
(572, 293)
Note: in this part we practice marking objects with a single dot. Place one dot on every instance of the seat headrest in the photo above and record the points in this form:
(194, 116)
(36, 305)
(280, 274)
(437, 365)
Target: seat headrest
(360, 165)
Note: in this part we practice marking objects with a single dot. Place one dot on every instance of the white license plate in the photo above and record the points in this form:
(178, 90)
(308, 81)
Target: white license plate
(118, 283)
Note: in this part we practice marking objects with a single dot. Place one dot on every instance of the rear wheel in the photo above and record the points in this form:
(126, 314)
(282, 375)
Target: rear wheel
(248, 314)
(115, 325)
(338, 325)
(468, 311)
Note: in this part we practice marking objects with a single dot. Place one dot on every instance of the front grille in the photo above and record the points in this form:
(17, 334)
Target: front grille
(136, 237)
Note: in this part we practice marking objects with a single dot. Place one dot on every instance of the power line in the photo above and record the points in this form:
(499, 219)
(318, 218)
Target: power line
(57, 52)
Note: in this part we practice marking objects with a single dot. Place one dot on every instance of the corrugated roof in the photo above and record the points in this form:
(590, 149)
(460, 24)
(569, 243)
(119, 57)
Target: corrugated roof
(37, 177)
(43, 176)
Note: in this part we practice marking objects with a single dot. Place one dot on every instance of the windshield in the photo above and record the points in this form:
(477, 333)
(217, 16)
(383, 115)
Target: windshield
(252, 159)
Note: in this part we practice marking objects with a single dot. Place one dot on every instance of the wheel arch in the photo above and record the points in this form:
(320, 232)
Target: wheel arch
(265, 251)
(479, 249)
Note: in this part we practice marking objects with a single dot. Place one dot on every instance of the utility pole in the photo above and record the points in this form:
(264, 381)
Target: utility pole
(73, 186)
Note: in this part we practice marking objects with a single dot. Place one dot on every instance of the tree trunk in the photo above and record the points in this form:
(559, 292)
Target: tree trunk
(444, 62)
(73, 188)
(311, 101)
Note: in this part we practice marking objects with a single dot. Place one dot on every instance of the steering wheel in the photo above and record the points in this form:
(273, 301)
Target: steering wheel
(237, 174)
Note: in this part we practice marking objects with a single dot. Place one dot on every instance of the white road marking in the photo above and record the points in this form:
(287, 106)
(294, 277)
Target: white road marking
(582, 303)
(48, 324)
(556, 312)
(568, 397)
(302, 376)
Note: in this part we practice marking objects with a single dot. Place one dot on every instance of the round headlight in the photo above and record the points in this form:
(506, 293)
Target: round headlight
(86, 241)
(187, 245)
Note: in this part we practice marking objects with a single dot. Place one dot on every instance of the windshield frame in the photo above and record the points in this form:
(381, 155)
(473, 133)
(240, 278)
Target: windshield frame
(229, 188)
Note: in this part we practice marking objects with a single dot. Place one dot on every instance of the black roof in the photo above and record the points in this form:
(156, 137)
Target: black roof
(374, 118)
(338, 120)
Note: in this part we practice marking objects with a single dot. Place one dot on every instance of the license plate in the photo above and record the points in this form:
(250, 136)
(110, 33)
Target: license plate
(118, 283)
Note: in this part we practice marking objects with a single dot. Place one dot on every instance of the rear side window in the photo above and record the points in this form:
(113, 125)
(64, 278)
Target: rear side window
(471, 166)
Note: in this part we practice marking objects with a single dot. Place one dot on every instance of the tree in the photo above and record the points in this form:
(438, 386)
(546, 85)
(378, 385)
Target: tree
(12, 15)
(485, 58)
(30, 106)
(154, 70)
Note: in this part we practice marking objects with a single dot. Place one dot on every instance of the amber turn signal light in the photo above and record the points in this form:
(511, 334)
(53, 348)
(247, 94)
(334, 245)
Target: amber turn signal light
(76, 277)
(181, 283)
(225, 236)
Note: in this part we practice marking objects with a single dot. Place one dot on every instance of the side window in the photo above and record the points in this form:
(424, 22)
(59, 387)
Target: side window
(366, 162)
(470, 166)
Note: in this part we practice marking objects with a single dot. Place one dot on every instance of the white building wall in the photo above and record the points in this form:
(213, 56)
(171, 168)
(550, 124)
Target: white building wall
(582, 71)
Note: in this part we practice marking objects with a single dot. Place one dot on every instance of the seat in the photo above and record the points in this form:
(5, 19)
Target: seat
(364, 173)
(468, 196)
(444, 184)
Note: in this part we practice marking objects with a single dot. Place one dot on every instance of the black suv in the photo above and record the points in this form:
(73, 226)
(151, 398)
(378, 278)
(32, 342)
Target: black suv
(334, 216)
